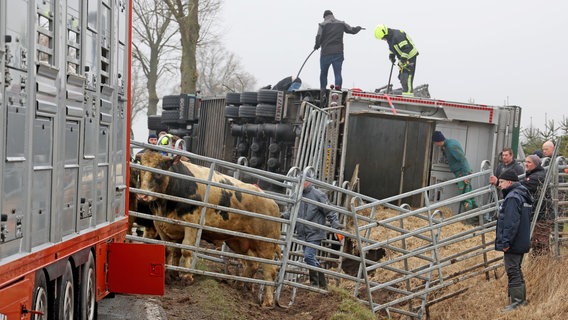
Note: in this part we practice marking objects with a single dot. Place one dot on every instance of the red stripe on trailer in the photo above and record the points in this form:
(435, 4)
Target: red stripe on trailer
(432, 102)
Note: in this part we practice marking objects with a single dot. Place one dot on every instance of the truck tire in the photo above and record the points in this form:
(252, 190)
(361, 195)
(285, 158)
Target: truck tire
(267, 96)
(231, 111)
(88, 295)
(265, 110)
(233, 98)
(170, 116)
(171, 102)
(247, 111)
(155, 123)
(65, 302)
(40, 299)
(249, 98)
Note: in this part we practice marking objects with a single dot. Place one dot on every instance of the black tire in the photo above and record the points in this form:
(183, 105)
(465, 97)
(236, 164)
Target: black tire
(231, 111)
(88, 295)
(233, 98)
(247, 111)
(40, 298)
(65, 302)
(171, 102)
(155, 123)
(170, 116)
(265, 110)
(249, 98)
(267, 96)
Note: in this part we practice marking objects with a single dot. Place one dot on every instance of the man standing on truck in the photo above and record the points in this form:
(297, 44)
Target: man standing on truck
(330, 39)
(459, 165)
(401, 47)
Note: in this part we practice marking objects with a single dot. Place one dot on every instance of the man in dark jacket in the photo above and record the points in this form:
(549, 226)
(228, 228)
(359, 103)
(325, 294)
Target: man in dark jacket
(507, 163)
(401, 47)
(512, 235)
(534, 181)
(312, 234)
(330, 39)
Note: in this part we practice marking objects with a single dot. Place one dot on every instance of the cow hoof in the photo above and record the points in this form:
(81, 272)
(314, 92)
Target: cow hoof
(187, 279)
(171, 276)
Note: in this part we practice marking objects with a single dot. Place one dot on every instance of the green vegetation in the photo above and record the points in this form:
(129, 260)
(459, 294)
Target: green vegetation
(533, 138)
(349, 308)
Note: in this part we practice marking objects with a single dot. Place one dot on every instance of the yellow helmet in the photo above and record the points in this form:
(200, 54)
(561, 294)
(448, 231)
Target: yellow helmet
(381, 31)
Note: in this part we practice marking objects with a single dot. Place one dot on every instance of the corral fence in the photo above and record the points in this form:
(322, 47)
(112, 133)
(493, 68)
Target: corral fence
(430, 253)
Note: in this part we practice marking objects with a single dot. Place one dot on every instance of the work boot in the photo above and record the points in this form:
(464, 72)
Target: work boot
(322, 281)
(518, 297)
(314, 278)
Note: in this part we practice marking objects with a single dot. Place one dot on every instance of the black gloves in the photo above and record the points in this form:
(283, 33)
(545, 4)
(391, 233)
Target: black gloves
(392, 57)
(357, 29)
(316, 46)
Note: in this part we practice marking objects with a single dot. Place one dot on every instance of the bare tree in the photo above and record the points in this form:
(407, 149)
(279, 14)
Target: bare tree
(138, 95)
(186, 15)
(153, 42)
(221, 71)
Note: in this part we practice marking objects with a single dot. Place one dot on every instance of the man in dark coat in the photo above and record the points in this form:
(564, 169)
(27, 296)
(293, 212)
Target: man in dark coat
(314, 234)
(507, 163)
(512, 235)
(330, 39)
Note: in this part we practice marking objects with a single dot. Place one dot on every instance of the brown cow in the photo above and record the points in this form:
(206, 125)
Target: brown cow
(222, 219)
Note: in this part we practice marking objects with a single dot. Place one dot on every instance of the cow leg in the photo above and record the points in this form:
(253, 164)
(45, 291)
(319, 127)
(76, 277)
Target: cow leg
(188, 239)
(173, 255)
(267, 251)
(251, 267)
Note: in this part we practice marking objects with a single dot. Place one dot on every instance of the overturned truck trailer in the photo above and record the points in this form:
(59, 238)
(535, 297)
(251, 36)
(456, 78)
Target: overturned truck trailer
(380, 142)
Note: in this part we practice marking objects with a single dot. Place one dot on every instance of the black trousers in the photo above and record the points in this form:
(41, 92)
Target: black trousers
(513, 263)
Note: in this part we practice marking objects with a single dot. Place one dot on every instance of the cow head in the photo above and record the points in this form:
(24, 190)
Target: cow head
(155, 182)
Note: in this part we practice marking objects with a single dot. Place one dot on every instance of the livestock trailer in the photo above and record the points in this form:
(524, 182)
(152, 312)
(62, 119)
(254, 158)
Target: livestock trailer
(380, 142)
(64, 144)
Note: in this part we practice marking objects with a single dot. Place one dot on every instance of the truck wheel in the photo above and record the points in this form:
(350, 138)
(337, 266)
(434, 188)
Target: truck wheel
(65, 304)
(40, 299)
(88, 295)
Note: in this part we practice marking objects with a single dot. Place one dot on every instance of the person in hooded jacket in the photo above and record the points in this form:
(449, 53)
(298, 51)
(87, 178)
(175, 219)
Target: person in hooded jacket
(312, 234)
(534, 181)
(512, 234)
(330, 38)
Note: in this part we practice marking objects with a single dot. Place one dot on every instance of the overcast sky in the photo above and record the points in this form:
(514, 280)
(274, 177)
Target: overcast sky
(488, 52)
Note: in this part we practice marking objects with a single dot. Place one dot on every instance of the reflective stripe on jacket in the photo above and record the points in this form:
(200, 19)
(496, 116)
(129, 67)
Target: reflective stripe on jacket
(401, 44)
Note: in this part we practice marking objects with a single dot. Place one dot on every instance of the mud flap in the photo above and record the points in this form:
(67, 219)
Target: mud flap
(136, 268)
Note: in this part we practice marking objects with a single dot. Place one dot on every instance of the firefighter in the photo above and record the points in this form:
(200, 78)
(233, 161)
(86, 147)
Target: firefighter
(401, 47)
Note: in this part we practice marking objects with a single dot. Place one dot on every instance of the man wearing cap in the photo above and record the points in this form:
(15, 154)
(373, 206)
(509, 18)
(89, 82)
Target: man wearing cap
(330, 39)
(512, 234)
(453, 152)
(152, 138)
(313, 234)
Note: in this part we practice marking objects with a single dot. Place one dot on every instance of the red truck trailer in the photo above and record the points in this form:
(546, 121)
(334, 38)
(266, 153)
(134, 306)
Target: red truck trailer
(65, 114)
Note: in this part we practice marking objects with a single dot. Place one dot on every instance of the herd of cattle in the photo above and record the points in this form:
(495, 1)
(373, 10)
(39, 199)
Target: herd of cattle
(224, 196)
(228, 210)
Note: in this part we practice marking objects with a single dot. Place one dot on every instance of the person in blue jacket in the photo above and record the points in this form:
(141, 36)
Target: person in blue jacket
(512, 234)
(313, 234)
